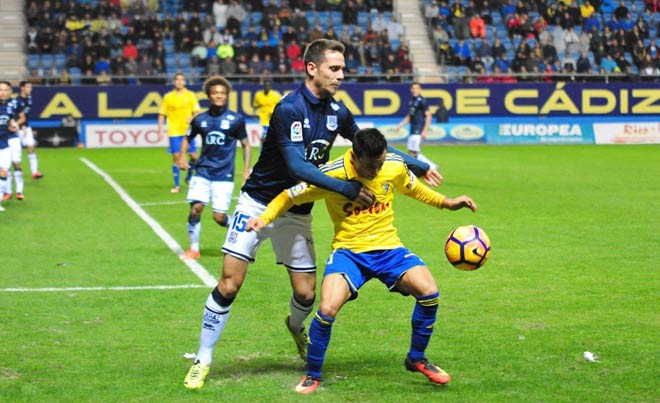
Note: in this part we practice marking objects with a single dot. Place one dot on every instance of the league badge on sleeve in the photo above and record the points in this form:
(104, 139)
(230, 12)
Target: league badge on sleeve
(296, 131)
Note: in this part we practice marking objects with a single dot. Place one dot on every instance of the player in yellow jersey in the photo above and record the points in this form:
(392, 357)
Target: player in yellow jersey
(179, 107)
(264, 102)
(366, 245)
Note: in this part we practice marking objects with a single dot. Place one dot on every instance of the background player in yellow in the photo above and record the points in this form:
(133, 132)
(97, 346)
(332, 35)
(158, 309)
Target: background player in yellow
(179, 107)
(366, 245)
(264, 102)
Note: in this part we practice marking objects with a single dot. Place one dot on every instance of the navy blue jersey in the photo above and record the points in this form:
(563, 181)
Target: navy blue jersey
(302, 127)
(24, 105)
(220, 129)
(8, 110)
(417, 112)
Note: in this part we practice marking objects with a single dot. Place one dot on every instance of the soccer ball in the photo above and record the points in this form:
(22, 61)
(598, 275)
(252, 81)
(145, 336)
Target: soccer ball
(467, 247)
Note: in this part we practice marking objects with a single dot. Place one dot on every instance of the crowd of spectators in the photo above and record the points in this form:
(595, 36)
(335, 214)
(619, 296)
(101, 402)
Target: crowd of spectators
(551, 39)
(113, 41)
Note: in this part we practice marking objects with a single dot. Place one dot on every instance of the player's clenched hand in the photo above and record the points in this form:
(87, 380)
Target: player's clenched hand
(255, 224)
(182, 162)
(433, 177)
(459, 203)
(365, 198)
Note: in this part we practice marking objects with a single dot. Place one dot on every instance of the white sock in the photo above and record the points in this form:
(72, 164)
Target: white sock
(299, 313)
(18, 177)
(194, 231)
(34, 163)
(3, 186)
(8, 184)
(213, 323)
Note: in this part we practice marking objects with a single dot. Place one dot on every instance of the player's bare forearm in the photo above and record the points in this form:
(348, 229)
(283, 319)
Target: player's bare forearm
(459, 203)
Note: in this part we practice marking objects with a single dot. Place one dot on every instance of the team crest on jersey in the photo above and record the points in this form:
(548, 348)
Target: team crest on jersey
(334, 106)
(224, 124)
(297, 189)
(331, 122)
(296, 131)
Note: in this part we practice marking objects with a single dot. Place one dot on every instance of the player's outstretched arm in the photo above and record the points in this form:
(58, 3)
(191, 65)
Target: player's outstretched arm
(421, 169)
(459, 203)
(305, 171)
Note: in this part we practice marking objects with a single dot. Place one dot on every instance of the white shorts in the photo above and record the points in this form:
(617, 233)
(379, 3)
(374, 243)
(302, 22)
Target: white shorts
(27, 137)
(218, 193)
(15, 149)
(414, 142)
(290, 235)
(5, 158)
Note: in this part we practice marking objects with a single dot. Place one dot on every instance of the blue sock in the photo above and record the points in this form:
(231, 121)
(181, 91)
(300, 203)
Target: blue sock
(189, 174)
(319, 337)
(423, 320)
(175, 174)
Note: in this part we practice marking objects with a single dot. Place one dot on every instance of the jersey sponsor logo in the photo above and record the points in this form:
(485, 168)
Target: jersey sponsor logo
(230, 117)
(224, 124)
(215, 138)
(334, 106)
(331, 122)
(317, 151)
(296, 131)
(204, 124)
(306, 123)
(376, 208)
(386, 187)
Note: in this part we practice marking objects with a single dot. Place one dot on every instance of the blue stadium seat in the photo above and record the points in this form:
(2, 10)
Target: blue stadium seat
(46, 60)
(33, 61)
(75, 74)
(60, 61)
(184, 60)
(363, 19)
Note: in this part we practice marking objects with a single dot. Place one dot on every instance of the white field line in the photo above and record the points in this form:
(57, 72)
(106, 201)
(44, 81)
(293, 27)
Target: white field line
(164, 203)
(118, 288)
(171, 243)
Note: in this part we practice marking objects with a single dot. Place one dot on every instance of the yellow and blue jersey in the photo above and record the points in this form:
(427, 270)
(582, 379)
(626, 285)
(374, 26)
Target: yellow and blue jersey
(179, 109)
(360, 229)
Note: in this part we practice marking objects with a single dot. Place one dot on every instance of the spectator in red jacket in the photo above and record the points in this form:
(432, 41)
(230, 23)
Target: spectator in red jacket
(130, 50)
(477, 26)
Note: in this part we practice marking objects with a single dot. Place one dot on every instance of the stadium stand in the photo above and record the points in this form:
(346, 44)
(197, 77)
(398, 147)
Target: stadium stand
(471, 39)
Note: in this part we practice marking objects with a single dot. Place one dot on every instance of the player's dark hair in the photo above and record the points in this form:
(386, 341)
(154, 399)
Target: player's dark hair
(315, 51)
(5, 82)
(415, 83)
(369, 142)
(22, 84)
(216, 80)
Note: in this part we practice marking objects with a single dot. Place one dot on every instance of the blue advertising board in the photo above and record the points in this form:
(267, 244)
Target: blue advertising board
(375, 100)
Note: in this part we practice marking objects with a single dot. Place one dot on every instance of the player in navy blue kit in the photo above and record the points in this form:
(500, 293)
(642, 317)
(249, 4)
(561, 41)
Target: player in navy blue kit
(8, 126)
(302, 130)
(23, 102)
(419, 117)
(219, 129)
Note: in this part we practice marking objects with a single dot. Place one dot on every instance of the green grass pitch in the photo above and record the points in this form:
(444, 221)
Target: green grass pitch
(575, 267)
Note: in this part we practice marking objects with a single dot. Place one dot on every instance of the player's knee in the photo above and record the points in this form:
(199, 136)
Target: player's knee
(220, 218)
(229, 286)
(306, 295)
(328, 309)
